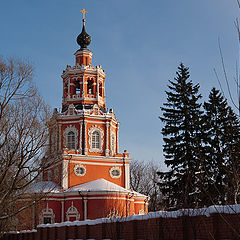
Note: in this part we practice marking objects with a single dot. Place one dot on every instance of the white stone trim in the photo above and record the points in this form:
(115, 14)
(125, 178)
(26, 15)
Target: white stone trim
(65, 135)
(47, 212)
(101, 164)
(113, 169)
(75, 170)
(107, 140)
(113, 143)
(85, 138)
(127, 176)
(85, 208)
(65, 174)
(80, 138)
(101, 133)
(92, 198)
(72, 212)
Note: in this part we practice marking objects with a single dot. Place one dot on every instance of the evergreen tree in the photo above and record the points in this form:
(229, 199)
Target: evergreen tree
(182, 136)
(232, 159)
(215, 122)
(222, 147)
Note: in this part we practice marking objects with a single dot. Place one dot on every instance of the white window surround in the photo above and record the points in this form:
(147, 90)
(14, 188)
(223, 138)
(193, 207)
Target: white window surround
(72, 212)
(47, 212)
(78, 171)
(71, 138)
(67, 130)
(113, 172)
(98, 129)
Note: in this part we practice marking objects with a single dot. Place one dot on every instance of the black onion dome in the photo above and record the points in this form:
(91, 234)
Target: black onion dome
(83, 38)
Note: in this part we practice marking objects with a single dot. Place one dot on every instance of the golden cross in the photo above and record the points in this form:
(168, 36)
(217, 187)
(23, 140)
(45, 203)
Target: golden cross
(83, 12)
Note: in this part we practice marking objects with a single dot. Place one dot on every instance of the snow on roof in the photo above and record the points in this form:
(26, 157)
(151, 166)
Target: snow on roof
(43, 187)
(98, 185)
(229, 209)
(101, 185)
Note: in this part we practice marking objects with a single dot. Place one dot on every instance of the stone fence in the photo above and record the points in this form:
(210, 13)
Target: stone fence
(215, 222)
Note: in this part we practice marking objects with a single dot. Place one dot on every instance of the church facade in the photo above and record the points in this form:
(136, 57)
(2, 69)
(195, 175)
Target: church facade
(86, 177)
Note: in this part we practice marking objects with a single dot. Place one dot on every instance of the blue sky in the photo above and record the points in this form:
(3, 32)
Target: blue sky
(138, 43)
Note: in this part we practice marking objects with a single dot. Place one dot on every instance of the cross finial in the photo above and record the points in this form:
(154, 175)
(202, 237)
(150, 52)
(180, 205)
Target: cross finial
(83, 12)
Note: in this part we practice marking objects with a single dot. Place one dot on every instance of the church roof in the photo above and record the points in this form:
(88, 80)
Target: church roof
(43, 187)
(101, 185)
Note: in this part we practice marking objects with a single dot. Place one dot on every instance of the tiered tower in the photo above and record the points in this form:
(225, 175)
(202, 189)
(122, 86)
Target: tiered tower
(84, 176)
(84, 134)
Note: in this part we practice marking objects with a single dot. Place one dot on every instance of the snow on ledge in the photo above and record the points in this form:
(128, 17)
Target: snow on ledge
(227, 209)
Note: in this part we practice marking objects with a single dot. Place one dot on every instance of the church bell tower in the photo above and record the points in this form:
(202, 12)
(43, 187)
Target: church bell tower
(84, 134)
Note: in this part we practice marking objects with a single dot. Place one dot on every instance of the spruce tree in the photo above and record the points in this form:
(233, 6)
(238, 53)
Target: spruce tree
(232, 151)
(215, 122)
(182, 118)
(222, 148)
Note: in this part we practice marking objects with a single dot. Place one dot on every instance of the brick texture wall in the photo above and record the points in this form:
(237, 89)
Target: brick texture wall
(216, 226)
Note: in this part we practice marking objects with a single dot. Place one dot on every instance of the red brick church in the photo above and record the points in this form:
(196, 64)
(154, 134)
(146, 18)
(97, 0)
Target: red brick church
(86, 177)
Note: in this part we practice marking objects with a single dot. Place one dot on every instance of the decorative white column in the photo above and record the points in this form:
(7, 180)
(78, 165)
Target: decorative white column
(80, 138)
(117, 138)
(65, 174)
(60, 138)
(107, 137)
(97, 85)
(127, 177)
(85, 208)
(85, 138)
(83, 84)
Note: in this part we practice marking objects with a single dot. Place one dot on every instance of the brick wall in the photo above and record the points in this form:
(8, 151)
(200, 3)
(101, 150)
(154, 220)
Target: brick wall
(214, 226)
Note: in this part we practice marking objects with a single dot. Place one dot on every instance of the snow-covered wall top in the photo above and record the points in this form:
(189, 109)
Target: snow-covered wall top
(229, 209)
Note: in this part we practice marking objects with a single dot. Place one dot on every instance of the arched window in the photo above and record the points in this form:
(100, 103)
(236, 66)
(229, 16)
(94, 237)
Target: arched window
(95, 140)
(77, 85)
(100, 90)
(90, 86)
(71, 140)
(73, 214)
(47, 216)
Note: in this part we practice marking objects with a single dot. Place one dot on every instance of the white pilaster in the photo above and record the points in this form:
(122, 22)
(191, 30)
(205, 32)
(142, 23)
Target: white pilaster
(65, 174)
(127, 177)
(107, 138)
(85, 138)
(80, 138)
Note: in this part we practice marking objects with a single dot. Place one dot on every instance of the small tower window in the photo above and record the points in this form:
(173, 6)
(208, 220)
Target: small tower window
(95, 140)
(71, 140)
(90, 86)
(100, 90)
(77, 87)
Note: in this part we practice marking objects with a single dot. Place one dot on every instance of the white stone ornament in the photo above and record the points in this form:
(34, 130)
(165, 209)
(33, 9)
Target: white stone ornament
(115, 172)
(65, 135)
(90, 139)
(79, 170)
